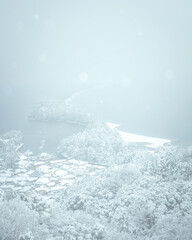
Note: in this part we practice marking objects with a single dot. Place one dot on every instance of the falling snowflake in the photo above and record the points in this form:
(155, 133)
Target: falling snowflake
(140, 33)
(36, 17)
(83, 77)
(42, 58)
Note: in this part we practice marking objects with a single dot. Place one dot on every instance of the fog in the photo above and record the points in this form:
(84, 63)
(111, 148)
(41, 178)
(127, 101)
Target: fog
(95, 119)
(134, 56)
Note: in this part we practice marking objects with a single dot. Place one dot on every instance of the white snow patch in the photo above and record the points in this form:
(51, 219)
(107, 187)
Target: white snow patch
(30, 172)
(2, 180)
(61, 173)
(58, 161)
(44, 168)
(51, 184)
(56, 188)
(134, 138)
(152, 142)
(112, 125)
(43, 180)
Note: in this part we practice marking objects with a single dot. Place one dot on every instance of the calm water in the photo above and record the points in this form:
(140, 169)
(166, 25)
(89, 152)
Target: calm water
(45, 136)
(38, 136)
(137, 110)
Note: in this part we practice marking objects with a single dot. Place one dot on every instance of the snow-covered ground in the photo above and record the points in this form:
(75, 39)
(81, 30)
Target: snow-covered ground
(134, 138)
(45, 175)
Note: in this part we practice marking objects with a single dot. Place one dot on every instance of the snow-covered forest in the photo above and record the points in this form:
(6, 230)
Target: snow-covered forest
(95, 120)
(97, 187)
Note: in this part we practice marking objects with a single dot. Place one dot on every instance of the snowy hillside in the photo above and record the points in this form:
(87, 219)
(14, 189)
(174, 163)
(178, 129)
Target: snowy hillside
(103, 186)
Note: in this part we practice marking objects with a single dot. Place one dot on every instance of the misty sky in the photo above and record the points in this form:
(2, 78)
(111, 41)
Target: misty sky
(52, 48)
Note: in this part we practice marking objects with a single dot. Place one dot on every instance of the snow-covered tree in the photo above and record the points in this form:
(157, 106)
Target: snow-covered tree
(9, 146)
(97, 144)
(59, 112)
